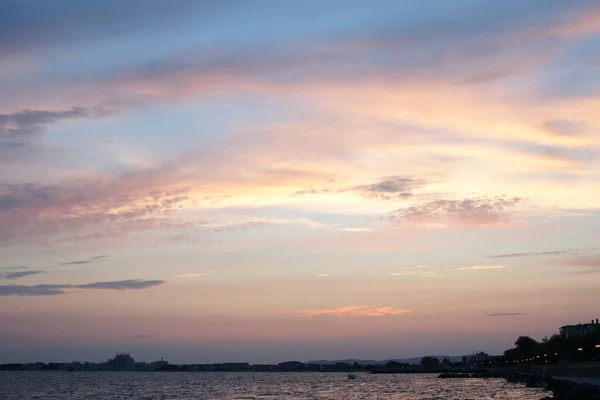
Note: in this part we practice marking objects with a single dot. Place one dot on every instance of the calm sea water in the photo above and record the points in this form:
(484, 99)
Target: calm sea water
(253, 386)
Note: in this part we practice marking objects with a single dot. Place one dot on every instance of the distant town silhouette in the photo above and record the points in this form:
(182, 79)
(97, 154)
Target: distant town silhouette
(573, 344)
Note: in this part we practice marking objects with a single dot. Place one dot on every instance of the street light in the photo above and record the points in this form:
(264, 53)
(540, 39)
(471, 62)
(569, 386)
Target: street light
(579, 349)
(598, 346)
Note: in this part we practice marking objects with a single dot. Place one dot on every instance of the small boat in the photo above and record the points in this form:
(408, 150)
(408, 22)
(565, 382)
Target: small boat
(351, 376)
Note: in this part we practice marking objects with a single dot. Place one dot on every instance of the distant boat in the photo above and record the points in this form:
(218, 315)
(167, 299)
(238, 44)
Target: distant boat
(351, 376)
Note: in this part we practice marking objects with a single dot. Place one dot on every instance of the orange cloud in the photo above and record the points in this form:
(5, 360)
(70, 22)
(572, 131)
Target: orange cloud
(357, 311)
(482, 267)
(190, 275)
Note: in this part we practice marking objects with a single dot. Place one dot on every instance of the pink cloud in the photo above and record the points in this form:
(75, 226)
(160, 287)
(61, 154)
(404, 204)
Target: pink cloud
(482, 267)
(357, 311)
(587, 264)
(468, 212)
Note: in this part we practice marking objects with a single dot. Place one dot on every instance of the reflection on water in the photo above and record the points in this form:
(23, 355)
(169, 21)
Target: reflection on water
(249, 385)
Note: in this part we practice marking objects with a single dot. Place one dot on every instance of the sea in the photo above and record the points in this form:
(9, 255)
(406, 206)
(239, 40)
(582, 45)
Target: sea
(254, 386)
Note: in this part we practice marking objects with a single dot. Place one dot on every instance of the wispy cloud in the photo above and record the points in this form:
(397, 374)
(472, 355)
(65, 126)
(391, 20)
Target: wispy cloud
(470, 212)
(85, 261)
(589, 264)
(482, 267)
(323, 275)
(385, 188)
(21, 126)
(542, 253)
(511, 314)
(25, 26)
(17, 268)
(121, 285)
(565, 127)
(229, 227)
(138, 337)
(402, 273)
(420, 273)
(389, 188)
(19, 274)
(83, 209)
(311, 191)
(194, 275)
(357, 311)
(358, 229)
(57, 289)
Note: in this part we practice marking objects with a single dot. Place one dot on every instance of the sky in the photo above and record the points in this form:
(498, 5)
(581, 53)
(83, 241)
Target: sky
(211, 181)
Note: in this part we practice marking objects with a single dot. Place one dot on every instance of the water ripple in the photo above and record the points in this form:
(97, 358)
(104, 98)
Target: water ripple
(253, 386)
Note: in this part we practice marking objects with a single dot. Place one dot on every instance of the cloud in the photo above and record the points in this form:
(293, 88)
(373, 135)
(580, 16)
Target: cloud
(482, 267)
(386, 188)
(37, 290)
(138, 337)
(504, 314)
(323, 275)
(85, 261)
(124, 208)
(304, 192)
(237, 226)
(358, 229)
(469, 212)
(19, 274)
(121, 285)
(564, 127)
(421, 273)
(591, 264)
(195, 275)
(57, 289)
(20, 267)
(91, 208)
(27, 25)
(357, 311)
(19, 127)
(534, 254)
(79, 262)
(112, 205)
(389, 188)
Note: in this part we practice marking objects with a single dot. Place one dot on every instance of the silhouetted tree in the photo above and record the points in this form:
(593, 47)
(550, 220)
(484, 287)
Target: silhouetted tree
(430, 362)
(291, 366)
(526, 345)
(394, 364)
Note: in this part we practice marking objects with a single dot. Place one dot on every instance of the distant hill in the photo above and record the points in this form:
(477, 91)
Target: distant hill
(413, 360)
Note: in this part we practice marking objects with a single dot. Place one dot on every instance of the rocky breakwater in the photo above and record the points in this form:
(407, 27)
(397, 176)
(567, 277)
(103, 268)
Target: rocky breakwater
(561, 389)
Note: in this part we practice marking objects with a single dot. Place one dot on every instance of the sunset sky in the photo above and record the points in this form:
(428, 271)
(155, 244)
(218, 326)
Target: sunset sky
(271, 180)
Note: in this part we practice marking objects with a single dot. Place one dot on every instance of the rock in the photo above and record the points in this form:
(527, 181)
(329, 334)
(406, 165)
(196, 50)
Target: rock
(583, 392)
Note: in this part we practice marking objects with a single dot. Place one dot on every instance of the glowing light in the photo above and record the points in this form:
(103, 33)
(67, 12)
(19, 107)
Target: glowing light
(580, 349)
